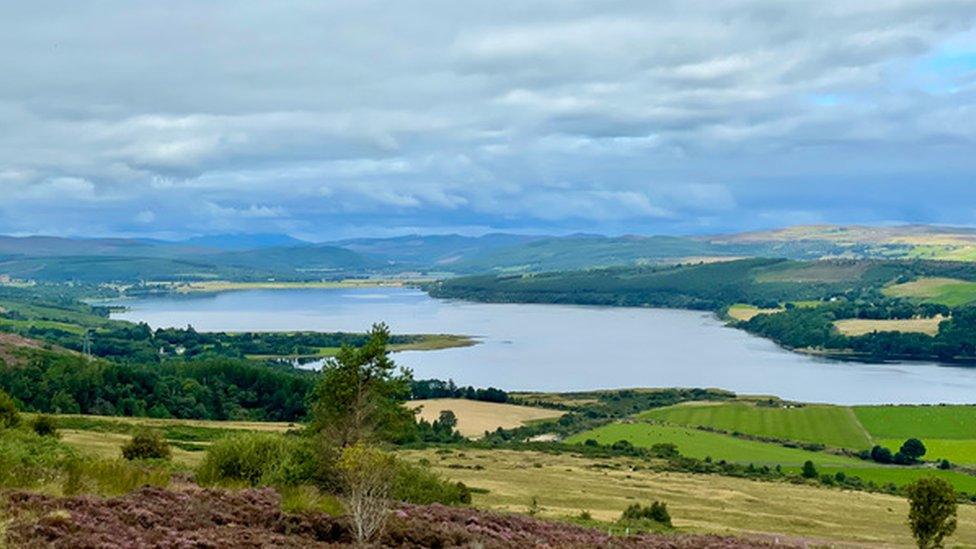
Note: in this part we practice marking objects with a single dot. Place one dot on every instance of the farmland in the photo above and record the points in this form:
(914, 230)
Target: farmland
(744, 312)
(947, 431)
(830, 425)
(952, 422)
(475, 417)
(861, 326)
(565, 485)
(702, 444)
(945, 291)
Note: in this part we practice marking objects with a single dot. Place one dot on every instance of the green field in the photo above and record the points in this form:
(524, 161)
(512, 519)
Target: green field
(830, 425)
(702, 444)
(956, 451)
(923, 422)
(946, 291)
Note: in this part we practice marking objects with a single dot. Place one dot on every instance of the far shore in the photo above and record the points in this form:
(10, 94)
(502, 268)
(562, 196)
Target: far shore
(214, 286)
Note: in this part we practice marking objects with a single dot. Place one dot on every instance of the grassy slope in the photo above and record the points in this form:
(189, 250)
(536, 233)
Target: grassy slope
(566, 485)
(947, 291)
(830, 425)
(701, 444)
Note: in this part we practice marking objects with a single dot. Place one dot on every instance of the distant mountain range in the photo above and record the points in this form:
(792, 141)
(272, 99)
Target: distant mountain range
(262, 256)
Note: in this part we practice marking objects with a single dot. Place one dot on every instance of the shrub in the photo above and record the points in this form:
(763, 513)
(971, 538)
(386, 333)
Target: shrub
(146, 444)
(623, 445)
(881, 454)
(944, 465)
(255, 459)
(45, 426)
(368, 475)
(932, 511)
(656, 512)
(8, 411)
(809, 470)
(665, 450)
(913, 449)
(27, 460)
(421, 486)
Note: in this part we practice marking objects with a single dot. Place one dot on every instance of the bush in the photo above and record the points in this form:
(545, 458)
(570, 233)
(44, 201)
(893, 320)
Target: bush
(146, 444)
(665, 450)
(27, 460)
(415, 484)
(913, 449)
(8, 411)
(881, 454)
(809, 470)
(656, 512)
(257, 459)
(45, 426)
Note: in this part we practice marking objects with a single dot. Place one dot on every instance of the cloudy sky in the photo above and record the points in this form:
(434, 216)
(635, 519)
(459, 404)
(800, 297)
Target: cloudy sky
(334, 119)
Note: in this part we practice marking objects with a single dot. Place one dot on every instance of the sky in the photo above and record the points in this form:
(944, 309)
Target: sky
(337, 119)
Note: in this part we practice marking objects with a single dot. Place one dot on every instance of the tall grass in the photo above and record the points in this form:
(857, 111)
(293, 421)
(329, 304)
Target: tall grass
(30, 461)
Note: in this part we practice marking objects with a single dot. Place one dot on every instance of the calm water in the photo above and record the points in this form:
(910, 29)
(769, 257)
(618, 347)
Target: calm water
(563, 348)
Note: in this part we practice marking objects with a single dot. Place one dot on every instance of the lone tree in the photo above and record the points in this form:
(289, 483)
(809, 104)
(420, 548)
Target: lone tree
(360, 394)
(913, 449)
(809, 470)
(932, 511)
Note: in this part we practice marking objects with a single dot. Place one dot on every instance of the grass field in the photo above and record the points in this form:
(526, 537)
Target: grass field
(701, 444)
(188, 438)
(474, 417)
(830, 425)
(962, 452)
(858, 326)
(947, 291)
(924, 422)
(744, 312)
(566, 485)
(952, 251)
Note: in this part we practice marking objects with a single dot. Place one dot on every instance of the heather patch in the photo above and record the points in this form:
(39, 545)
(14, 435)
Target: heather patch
(153, 517)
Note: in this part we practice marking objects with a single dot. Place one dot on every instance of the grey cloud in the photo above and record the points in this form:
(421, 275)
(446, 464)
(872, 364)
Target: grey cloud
(316, 116)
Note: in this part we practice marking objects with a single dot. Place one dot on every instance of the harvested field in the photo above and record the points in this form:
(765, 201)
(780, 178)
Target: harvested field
(153, 517)
(565, 485)
(745, 313)
(859, 327)
(475, 417)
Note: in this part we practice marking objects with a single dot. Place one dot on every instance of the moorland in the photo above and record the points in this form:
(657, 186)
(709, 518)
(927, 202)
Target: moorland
(102, 414)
